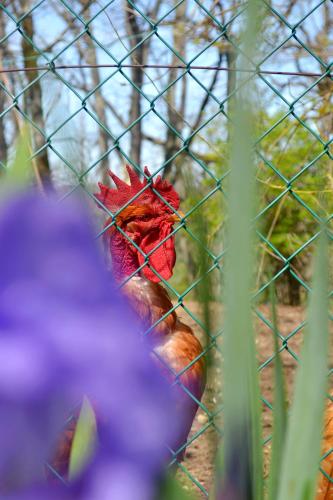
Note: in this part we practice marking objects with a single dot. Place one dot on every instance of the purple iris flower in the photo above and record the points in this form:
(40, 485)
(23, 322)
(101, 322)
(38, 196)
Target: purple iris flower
(65, 332)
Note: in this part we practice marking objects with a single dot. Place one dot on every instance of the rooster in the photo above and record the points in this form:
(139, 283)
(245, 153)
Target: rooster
(142, 250)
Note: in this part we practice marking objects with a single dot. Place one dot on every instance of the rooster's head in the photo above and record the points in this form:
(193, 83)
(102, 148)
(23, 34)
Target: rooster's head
(141, 236)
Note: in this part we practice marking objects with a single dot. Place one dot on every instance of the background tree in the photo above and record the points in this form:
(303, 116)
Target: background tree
(88, 119)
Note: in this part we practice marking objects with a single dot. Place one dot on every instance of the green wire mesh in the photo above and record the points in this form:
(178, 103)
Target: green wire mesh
(107, 116)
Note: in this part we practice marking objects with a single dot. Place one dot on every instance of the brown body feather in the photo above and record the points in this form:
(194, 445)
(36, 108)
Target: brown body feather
(176, 351)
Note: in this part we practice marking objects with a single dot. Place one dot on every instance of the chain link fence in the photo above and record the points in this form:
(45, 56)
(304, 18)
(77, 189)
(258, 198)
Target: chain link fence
(104, 83)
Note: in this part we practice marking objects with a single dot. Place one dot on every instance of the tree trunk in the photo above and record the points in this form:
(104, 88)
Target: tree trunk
(325, 86)
(33, 96)
(3, 142)
(294, 290)
(175, 116)
(137, 75)
(231, 57)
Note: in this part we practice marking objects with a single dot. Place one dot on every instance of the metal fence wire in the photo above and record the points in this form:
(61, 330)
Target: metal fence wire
(104, 83)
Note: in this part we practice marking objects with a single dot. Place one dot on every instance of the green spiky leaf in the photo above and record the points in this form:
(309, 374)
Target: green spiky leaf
(172, 490)
(279, 411)
(242, 409)
(302, 451)
(84, 440)
(19, 172)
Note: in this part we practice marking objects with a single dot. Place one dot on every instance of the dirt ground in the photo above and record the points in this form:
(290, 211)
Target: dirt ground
(200, 454)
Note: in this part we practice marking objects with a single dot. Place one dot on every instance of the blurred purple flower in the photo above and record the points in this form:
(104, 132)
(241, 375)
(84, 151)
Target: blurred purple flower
(65, 332)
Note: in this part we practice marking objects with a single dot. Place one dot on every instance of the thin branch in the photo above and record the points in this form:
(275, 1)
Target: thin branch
(207, 96)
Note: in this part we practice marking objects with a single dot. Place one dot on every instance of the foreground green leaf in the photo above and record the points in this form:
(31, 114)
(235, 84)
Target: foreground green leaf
(84, 440)
(172, 490)
(302, 451)
(19, 172)
(242, 454)
(279, 411)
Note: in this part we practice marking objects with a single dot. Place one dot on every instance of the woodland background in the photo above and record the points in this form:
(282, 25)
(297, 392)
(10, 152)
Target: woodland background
(88, 120)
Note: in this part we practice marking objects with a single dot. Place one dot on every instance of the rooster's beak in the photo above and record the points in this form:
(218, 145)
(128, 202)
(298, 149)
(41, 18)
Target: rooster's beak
(175, 217)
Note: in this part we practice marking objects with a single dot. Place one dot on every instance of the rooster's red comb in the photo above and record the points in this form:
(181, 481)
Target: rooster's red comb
(113, 199)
